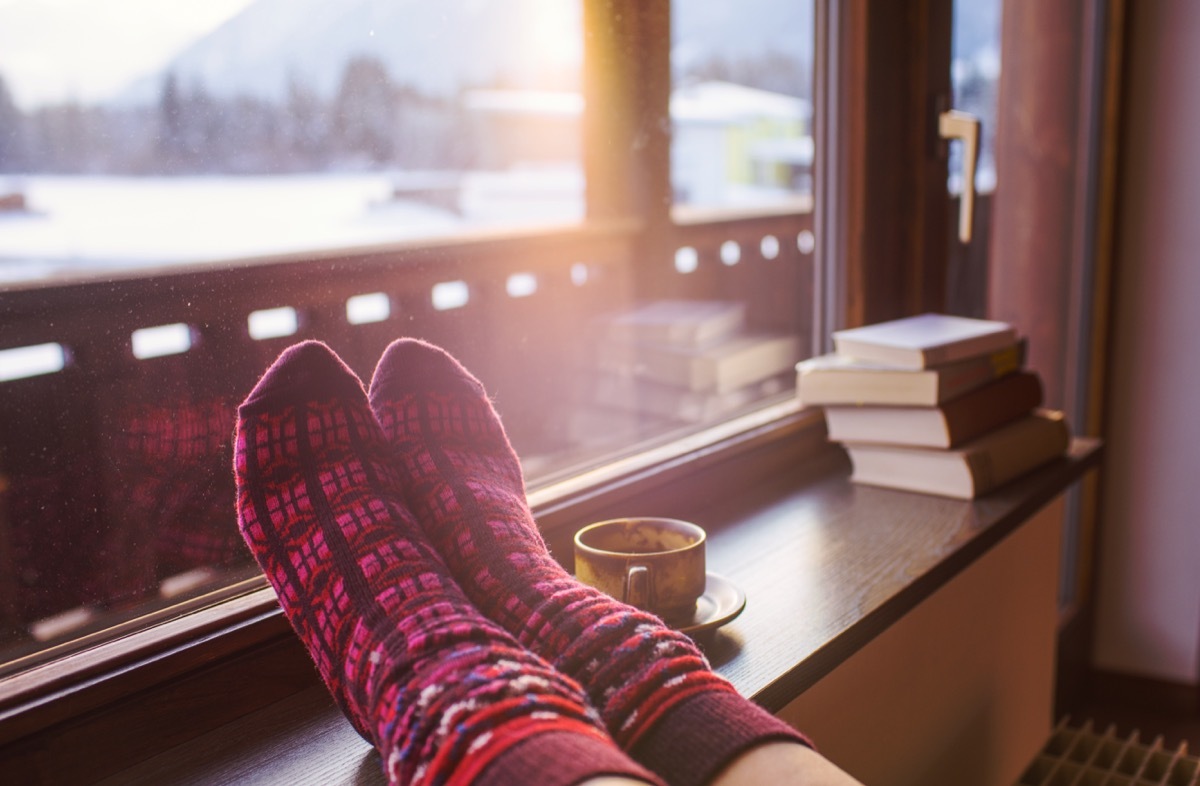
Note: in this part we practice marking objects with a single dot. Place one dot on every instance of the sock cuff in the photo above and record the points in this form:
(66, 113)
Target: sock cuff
(561, 758)
(695, 740)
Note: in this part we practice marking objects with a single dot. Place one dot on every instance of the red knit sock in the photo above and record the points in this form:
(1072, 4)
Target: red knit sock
(651, 684)
(446, 695)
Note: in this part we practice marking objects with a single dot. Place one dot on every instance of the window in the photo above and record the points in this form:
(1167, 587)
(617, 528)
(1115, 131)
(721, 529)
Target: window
(975, 78)
(741, 103)
(164, 237)
(67, 347)
(139, 137)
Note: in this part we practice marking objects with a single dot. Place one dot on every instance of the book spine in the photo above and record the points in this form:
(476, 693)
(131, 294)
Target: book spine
(990, 407)
(976, 373)
(1029, 445)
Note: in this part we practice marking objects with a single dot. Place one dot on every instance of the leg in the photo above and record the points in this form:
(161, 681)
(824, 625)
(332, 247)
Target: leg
(446, 696)
(783, 763)
(461, 479)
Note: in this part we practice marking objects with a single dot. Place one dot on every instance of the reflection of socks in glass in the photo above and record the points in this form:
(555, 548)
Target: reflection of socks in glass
(461, 479)
(187, 444)
(443, 693)
(170, 488)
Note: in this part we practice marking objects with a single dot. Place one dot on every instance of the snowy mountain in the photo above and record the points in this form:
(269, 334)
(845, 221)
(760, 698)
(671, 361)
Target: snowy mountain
(440, 47)
(435, 47)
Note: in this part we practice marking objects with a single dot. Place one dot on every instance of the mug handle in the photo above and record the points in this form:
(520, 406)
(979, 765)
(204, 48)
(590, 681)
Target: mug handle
(639, 586)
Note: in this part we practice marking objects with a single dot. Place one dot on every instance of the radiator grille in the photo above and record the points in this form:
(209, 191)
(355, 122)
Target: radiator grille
(1082, 756)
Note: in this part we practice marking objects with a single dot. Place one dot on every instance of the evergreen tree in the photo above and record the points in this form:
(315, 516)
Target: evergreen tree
(13, 155)
(364, 111)
(65, 133)
(203, 128)
(171, 142)
(305, 127)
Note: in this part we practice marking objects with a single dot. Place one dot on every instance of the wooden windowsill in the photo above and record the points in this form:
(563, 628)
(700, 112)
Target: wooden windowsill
(826, 566)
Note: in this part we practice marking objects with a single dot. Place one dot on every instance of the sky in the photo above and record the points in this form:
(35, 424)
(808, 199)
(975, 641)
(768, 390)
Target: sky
(88, 50)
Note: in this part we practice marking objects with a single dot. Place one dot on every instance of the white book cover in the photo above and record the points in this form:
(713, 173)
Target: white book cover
(925, 340)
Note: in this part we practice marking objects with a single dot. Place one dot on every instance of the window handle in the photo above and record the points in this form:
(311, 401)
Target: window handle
(953, 124)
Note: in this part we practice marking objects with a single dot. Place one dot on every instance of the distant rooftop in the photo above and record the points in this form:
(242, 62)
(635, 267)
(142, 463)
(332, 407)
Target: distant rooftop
(724, 101)
(525, 102)
(716, 102)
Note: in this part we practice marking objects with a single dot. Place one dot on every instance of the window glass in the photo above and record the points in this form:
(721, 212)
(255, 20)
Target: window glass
(715, 328)
(138, 134)
(184, 192)
(142, 140)
(975, 80)
(741, 104)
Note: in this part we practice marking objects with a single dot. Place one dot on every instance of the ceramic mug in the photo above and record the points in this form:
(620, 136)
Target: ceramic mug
(656, 564)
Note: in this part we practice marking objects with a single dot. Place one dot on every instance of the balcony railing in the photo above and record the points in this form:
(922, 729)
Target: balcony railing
(116, 494)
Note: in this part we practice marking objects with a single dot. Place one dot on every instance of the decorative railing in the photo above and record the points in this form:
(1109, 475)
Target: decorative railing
(116, 488)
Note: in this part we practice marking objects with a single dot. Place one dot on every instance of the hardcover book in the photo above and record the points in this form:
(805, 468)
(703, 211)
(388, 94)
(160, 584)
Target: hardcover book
(951, 424)
(924, 341)
(837, 379)
(976, 468)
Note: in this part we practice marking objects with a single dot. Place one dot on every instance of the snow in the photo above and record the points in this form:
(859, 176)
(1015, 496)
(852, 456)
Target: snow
(99, 224)
(724, 102)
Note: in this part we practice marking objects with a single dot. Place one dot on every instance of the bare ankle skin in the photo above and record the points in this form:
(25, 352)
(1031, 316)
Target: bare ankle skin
(783, 763)
(780, 763)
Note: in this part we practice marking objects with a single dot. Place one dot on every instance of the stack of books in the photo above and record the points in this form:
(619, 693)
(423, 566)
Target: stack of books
(687, 361)
(934, 403)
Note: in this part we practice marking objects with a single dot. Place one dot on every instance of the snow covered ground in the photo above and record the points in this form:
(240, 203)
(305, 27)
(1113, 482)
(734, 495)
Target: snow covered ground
(99, 224)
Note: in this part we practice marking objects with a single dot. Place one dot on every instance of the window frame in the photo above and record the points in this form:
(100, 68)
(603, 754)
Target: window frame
(873, 50)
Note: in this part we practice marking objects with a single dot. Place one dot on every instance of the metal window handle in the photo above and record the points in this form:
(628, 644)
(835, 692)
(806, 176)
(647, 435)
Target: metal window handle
(954, 124)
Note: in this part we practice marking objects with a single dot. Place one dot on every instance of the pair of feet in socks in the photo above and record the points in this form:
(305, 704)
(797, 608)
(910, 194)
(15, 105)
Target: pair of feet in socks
(394, 528)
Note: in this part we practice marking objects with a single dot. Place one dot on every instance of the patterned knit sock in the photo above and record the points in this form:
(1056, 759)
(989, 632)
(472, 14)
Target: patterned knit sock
(446, 695)
(652, 686)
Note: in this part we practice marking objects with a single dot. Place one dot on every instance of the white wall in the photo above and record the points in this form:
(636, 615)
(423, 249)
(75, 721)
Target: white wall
(1149, 599)
(960, 690)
